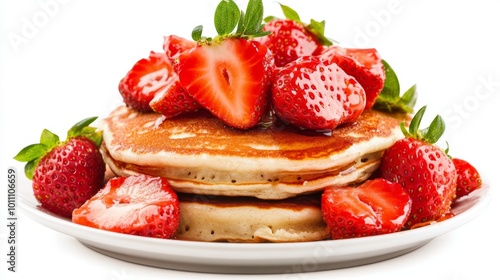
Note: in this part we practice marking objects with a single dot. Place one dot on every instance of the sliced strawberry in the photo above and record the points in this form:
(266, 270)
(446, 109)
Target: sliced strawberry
(314, 93)
(173, 100)
(231, 79)
(144, 80)
(375, 207)
(363, 64)
(139, 205)
(468, 178)
(174, 45)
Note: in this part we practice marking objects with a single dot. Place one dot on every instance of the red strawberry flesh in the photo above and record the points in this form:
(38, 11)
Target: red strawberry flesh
(230, 79)
(375, 207)
(139, 205)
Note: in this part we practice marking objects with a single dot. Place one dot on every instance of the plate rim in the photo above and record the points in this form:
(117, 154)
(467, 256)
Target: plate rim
(326, 254)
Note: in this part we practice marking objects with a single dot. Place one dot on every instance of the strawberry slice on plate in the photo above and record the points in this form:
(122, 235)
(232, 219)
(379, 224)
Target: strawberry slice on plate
(375, 207)
(138, 205)
(468, 178)
(144, 80)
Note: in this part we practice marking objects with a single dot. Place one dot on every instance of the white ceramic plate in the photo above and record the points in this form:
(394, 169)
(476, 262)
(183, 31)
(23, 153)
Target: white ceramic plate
(255, 258)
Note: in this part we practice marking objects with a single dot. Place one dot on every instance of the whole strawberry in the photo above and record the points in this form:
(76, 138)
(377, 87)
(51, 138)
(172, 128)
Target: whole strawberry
(230, 75)
(423, 169)
(314, 93)
(468, 178)
(65, 173)
(290, 38)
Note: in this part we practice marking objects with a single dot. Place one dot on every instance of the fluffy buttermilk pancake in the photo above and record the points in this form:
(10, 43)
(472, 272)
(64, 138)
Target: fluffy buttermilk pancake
(200, 155)
(249, 219)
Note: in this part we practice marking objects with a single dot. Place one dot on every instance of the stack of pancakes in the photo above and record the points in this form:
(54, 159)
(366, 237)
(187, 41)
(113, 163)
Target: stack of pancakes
(259, 185)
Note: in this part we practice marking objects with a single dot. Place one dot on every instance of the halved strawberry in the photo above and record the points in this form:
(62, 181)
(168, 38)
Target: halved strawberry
(468, 178)
(173, 100)
(139, 205)
(144, 80)
(229, 75)
(363, 64)
(230, 79)
(375, 207)
(174, 45)
(313, 93)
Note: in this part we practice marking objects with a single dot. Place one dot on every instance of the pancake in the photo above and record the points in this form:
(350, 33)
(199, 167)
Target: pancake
(250, 220)
(200, 155)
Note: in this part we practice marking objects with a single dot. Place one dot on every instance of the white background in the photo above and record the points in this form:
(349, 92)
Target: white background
(61, 62)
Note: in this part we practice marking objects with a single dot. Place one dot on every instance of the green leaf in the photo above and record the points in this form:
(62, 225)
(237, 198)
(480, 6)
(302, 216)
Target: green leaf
(318, 29)
(96, 137)
(29, 168)
(290, 13)
(241, 23)
(253, 17)
(76, 129)
(435, 130)
(227, 15)
(49, 139)
(196, 33)
(269, 18)
(31, 152)
(409, 98)
(389, 98)
(429, 134)
(391, 88)
(415, 121)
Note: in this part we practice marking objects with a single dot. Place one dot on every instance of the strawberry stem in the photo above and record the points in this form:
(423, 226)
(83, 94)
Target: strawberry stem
(429, 134)
(228, 16)
(390, 98)
(32, 154)
(315, 27)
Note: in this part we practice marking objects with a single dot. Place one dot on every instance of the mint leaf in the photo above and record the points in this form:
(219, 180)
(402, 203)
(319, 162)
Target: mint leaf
(227, 15)
(253, 17)
(196, 33)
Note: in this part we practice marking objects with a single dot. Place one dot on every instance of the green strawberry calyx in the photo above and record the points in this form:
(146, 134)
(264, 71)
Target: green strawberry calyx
(33, 153)
(430, 134)
(390, 98)
(315, 27)
(228, 16)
